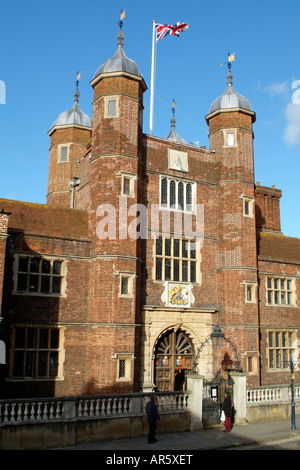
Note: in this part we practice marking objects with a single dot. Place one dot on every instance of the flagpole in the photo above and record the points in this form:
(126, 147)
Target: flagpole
(152, 79)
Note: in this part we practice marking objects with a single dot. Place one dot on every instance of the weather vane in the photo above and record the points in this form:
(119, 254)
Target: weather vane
(173, 107)
(231, 58)
(122, 16)
(77, 79)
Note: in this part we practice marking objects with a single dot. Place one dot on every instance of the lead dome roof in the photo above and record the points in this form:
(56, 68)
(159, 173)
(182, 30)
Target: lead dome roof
(73, 116)
(119, 62)
(173, 134)
(230, 98)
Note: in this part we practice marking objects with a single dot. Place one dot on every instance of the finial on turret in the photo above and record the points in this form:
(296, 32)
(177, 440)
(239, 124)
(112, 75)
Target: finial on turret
(173, 120)
(77, 94)
(229, 78)
(120, 38)
(173, 134)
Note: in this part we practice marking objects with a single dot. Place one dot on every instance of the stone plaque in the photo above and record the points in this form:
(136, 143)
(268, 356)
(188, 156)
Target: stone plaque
(178, 160)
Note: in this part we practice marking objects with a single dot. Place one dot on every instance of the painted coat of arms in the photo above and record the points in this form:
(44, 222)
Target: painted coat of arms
(178, 294)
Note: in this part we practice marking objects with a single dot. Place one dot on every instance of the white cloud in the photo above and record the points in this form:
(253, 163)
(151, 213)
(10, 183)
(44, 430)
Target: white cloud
(278, 89)
(291, 99)
(292, 130)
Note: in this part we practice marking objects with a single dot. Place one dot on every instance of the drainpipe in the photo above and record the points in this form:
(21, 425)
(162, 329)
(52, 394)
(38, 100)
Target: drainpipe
(73, 183)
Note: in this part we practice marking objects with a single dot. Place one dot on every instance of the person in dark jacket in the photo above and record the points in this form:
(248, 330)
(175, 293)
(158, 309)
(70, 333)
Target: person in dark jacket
(227, 408)
(152, 417)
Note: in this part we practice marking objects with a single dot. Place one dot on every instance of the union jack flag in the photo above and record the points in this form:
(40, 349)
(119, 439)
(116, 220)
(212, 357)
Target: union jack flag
(163, 30)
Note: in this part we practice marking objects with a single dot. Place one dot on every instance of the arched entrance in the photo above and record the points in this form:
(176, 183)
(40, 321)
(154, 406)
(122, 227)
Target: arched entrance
(174, 356)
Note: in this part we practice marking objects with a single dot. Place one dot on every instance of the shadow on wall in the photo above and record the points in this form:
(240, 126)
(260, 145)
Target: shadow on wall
(23, 315)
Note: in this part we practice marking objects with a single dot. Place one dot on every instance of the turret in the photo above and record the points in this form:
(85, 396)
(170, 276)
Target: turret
(173, 134)
(231, 138)
(69, 135)
(115, 171)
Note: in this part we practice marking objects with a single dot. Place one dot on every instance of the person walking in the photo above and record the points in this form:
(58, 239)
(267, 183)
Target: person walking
(152, 417)
(227, 408)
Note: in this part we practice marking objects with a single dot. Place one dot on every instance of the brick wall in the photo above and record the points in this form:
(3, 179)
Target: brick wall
(278, 318)
(236, 255)
(115, 151)
(278, 257)
(60, 173)
(201, 171)
(4, 218)
(99, 324)
(267, 208)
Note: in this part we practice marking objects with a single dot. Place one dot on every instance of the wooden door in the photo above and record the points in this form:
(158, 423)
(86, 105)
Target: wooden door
(174, 355)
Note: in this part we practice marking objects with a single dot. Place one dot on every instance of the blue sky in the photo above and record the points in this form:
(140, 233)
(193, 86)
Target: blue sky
(43, 44)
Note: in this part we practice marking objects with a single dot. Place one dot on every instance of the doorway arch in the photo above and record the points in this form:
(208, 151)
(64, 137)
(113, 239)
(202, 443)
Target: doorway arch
(173, 358)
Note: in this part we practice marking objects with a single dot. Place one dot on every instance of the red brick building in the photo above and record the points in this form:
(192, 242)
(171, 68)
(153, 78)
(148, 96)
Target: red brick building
(145, 244)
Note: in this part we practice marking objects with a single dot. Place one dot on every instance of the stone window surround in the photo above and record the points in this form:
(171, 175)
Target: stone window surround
(60, 146)
(107, 99)
(63, 274)
(253, 357)
(128, 358)
(248, 201)
(273, 289)
(290, 348)
(132, 179)
(252, 285)
(226, 133)
(177, 180)
(180, 258)
(60, 351)
(130, 275)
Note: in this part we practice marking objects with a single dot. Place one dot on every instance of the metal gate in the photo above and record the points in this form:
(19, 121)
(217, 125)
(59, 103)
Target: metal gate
(213, 396)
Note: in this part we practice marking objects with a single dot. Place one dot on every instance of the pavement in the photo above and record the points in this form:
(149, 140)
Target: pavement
(242, 437)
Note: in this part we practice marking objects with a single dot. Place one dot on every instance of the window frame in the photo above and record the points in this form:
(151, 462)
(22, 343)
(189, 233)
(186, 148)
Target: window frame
(60, 147)
(107, 100)
(252, 362)
(130, 281)
(168, 258)
(128, 359)
(248, 202)
(226, 133)
(36, 352)
(250, 287)
(131, 178)
(277, 291)
(276, 348)
(169, 198)
(40, 276)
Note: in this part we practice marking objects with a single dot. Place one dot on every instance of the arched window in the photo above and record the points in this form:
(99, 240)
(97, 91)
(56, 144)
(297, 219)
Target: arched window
(188, 197)
(164, 192)
(173, 194)
(177, 195)
(180, 196)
